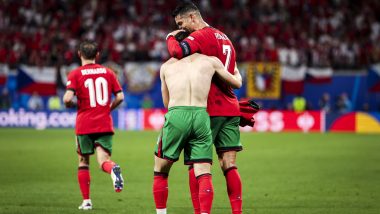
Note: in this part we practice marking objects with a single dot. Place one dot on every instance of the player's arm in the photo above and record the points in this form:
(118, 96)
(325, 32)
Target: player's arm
(68, 98)
(237, 74)
(164, 87)
(117, 91)
(234, 81)
(181, 49)
(71, 86)
(119, 97)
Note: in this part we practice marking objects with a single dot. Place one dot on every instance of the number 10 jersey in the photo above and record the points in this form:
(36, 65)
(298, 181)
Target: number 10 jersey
(93, 85)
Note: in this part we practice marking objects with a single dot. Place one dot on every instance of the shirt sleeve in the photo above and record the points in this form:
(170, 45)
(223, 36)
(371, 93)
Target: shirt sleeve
(71, 82)
(116, 88)
(186, 47)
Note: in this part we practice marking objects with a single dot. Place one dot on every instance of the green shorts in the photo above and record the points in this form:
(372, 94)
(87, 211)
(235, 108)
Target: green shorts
(226, 134)
(186, 128)
(87, 143)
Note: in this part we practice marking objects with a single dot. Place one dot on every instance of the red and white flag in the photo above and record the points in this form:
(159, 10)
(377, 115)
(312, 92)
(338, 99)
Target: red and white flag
(319, 75)
(293, 79)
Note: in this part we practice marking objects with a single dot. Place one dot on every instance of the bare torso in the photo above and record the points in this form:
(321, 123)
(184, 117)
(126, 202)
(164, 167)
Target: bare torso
(188, 80)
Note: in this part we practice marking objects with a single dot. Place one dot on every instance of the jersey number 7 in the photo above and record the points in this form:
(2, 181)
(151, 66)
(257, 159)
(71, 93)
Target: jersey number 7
(227, 51)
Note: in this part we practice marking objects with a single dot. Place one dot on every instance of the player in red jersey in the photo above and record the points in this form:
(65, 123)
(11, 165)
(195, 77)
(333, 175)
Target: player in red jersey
(222, 104)
(93, 85)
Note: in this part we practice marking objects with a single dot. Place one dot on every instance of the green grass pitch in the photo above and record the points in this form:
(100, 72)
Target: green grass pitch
(289, 173)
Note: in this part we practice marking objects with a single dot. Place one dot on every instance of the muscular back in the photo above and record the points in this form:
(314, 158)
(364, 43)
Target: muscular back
(188, 80)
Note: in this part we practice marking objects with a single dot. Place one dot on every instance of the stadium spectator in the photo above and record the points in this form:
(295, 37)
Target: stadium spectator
(365, 107)
(299, 104)
(223, 105)
(147, 102)
(35, 102)
(93, 85)
(341, 34)
(185, 87)
(5, 99)
(343, 104)
(324, 103)
(54, 103)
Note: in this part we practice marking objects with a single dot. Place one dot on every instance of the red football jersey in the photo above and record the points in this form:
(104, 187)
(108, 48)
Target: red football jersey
(212, 42)
(93, 85)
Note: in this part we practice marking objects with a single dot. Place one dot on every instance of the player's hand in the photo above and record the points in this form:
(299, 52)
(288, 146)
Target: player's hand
(174, 33)
(71, 104)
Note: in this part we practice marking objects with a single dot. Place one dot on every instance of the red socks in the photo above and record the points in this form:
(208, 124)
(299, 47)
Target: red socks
(194, 190)
(160, 189)
(107, 166)
(84, 181)
(234, 189)
(206, 192)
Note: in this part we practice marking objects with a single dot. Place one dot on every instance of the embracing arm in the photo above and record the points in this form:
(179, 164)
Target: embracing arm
(237, 75)
(234, 81)
(181, 49)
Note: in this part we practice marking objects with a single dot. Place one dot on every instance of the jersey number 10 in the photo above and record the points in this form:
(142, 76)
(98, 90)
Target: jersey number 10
(97, 92)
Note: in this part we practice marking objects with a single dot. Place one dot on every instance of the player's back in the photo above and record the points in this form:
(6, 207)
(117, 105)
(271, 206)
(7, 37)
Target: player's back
(188, 80)
(93, 85)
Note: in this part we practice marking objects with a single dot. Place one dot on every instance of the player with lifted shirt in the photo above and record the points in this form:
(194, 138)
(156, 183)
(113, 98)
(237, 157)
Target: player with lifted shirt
(222, 104)
(93, 85)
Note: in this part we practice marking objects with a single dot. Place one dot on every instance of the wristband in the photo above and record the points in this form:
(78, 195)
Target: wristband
(168, 36)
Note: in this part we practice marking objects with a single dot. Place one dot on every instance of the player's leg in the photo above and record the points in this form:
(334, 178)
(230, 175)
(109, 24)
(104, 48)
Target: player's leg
(206, 190)
(160, 183)
(103, 144)
(84, 149)
(233, 180)
(84, 181)
(110, 167)
(199, 152)
(215, 125)
(170, 143)
(227, 144)
(194, 190)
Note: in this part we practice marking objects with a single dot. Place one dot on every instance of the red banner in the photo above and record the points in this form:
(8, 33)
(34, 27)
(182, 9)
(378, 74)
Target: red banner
(280, 121)
(266, 121)
(154, 119)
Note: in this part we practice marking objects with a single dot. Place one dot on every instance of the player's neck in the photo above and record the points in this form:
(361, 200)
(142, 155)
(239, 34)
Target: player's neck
(202, 24)
(87, 62)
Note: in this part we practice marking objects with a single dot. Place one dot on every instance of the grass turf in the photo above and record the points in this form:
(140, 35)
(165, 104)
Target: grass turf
(289, 173)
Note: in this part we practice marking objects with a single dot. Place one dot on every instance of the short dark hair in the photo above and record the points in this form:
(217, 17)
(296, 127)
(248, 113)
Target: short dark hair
(88, 49)
(181, 35)
(185, 7)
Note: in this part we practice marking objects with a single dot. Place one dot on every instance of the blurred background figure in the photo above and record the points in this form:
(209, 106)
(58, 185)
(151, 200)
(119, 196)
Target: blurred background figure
(147, 102)
(324, 103)
(5, 99)
(54, 103)
(35, 102)
(299, 103)
(343, 104)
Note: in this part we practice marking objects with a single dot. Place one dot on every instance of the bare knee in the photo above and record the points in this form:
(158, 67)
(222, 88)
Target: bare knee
(83, 160)
(227, 160)
(102, 156)
(202, 168)
(162, 165)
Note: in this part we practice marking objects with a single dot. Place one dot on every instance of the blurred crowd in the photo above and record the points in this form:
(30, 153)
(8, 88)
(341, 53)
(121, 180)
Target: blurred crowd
(343, 34)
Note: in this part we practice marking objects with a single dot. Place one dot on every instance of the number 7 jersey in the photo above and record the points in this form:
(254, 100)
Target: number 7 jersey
(93, 85)
(211, 42)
